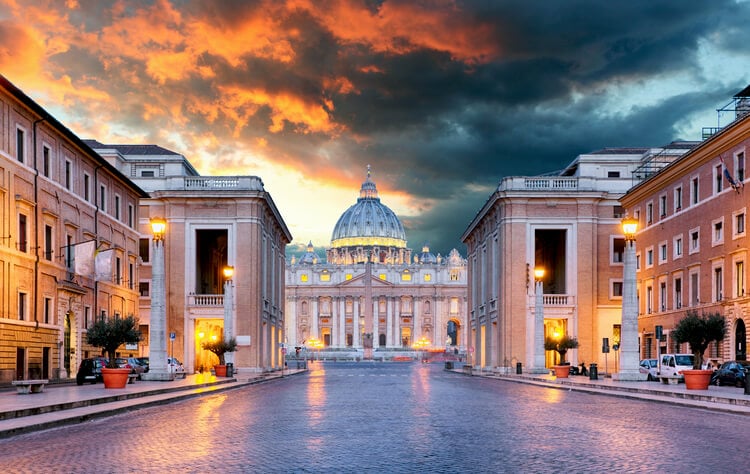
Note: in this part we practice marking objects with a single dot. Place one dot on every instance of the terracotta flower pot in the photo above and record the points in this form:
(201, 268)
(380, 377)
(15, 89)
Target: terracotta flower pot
(562, 371)
(697, 379)
(221, 370)
(115, 378)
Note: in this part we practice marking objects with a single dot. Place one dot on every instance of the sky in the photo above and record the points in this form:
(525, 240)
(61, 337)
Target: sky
(442, 98)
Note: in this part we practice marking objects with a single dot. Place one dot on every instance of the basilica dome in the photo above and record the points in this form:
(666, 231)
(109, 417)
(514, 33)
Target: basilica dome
(368, 223)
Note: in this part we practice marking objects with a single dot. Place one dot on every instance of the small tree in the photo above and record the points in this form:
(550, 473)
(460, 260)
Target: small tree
(561, 345)
(109, 334)
(699, 331)
(220, 347)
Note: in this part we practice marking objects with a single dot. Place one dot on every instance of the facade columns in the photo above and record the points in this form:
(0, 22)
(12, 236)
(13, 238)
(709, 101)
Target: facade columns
(389, 322)
(314, 331)
(355, 324)
(342, 321)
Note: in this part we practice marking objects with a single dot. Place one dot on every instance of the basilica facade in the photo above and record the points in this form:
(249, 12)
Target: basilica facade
(371, 297)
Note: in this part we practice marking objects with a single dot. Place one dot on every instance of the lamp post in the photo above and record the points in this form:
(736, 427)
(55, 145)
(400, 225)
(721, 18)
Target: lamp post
(157, 328)
(629, 324)
(538, 362)
(228, 320)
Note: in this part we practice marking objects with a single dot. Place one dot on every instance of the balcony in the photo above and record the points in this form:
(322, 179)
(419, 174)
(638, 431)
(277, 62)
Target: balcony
(206, 301)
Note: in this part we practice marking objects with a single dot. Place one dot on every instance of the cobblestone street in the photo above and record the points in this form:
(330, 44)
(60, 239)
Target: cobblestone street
(392, 417)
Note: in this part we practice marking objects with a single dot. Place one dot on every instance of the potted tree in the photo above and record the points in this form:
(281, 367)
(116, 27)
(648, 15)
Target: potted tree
(220, 347)
(699, 331)
(109, 334)
(561, 345)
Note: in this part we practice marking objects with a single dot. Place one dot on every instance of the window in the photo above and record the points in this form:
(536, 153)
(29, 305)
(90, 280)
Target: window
(143, 289)
(717, 179)
(649, 300)
(48, 249)
(613, 174)
(348, 276)
(663, 205)
(68, 174)
(618, 249)
(694, 191)
(406, 276)
(325, 277)
(131, 215)
(118, 271)
(22, 305)
(649, 257)
(739, 279)
(695, 242)
(677, 246)
(303, 278)
(103, 198)
(47, 310)
(427, 277)
(663, 295)
(638, 261)
(117, 207)
(69, 253)
(20, 145)
(147, 174)
(718, 284)
(86, 316)
(662, 252)
(143, 250)
(131, 275)
(739, 224)
(694, 289)
(678, 198)
(454, 275)
(718, 234)
(649, 213)
(617, 289)
(45, 161)
(678, 293)
(22, 233)
(86, 187)
(739, 165)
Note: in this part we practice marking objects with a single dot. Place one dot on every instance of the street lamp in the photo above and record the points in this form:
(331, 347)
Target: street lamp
(538, 361)
(228, 320)
(629, 324)
(157, 327)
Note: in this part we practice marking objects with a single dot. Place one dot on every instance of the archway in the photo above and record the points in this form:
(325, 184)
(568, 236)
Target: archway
(740, 340)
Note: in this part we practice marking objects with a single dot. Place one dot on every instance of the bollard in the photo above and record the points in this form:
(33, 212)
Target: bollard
(519, 368)
(593, 372)
(230, 369)
(747, 382)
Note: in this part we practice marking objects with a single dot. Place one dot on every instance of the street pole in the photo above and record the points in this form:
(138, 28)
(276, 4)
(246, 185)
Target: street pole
(629, 334)
(538, 363)
(157, 327)
(228, 304)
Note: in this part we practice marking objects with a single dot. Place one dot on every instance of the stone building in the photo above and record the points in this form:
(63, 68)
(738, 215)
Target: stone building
(371, 297)
(692, 243)
(567, 223)
(212, 222)
(68, 243)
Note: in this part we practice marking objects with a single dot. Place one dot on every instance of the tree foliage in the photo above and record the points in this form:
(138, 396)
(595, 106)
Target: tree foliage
(220, 347)
(699, 331)
(561, 345)
(109, 334)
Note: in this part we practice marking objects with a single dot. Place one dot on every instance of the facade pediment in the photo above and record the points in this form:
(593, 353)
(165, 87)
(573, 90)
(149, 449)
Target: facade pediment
(359, 281)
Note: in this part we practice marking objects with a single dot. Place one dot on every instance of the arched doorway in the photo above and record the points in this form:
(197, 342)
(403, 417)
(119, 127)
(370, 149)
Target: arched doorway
(452, 333)
(740, 340)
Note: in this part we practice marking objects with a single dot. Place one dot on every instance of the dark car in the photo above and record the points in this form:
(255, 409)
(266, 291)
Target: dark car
(90, 370)
(733, 372)
(144, 362)
(138, 367)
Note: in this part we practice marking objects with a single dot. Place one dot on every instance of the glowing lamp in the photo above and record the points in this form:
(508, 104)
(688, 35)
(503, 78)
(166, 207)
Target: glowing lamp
(629, 228)
(158, 227)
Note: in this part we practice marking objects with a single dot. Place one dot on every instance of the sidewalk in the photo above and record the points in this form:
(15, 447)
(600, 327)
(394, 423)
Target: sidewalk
(728, 399)
(69, 403)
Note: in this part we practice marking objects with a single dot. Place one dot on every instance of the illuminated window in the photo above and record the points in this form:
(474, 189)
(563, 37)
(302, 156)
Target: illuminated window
(325, 277)
(427, 277)
(406, 276)
(382, 276)
(303, 278)
(348, 276)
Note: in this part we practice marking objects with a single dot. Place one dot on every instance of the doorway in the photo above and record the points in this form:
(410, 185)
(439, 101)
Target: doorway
(740, 340)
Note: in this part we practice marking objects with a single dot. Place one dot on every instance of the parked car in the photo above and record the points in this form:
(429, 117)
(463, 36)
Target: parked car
(650, 367)
(733, 372)
(144, 362)
(138, 367)
(672, 365)
(174, 366)
(90, 370)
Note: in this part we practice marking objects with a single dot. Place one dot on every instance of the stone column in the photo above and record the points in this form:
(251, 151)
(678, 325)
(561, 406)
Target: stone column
(355, 324)
(629, 333)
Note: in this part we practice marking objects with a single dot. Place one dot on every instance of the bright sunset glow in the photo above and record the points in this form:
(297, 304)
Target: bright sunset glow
(442, 97)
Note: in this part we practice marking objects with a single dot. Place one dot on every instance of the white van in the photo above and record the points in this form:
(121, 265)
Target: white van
(670, 366)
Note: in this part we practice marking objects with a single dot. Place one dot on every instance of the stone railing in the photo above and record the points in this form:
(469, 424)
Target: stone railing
(206, 300)
(229, 183)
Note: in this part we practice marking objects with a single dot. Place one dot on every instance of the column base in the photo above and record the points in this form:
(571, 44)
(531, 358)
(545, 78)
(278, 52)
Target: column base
(629, 376)
(153, 376)
(538, 370)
